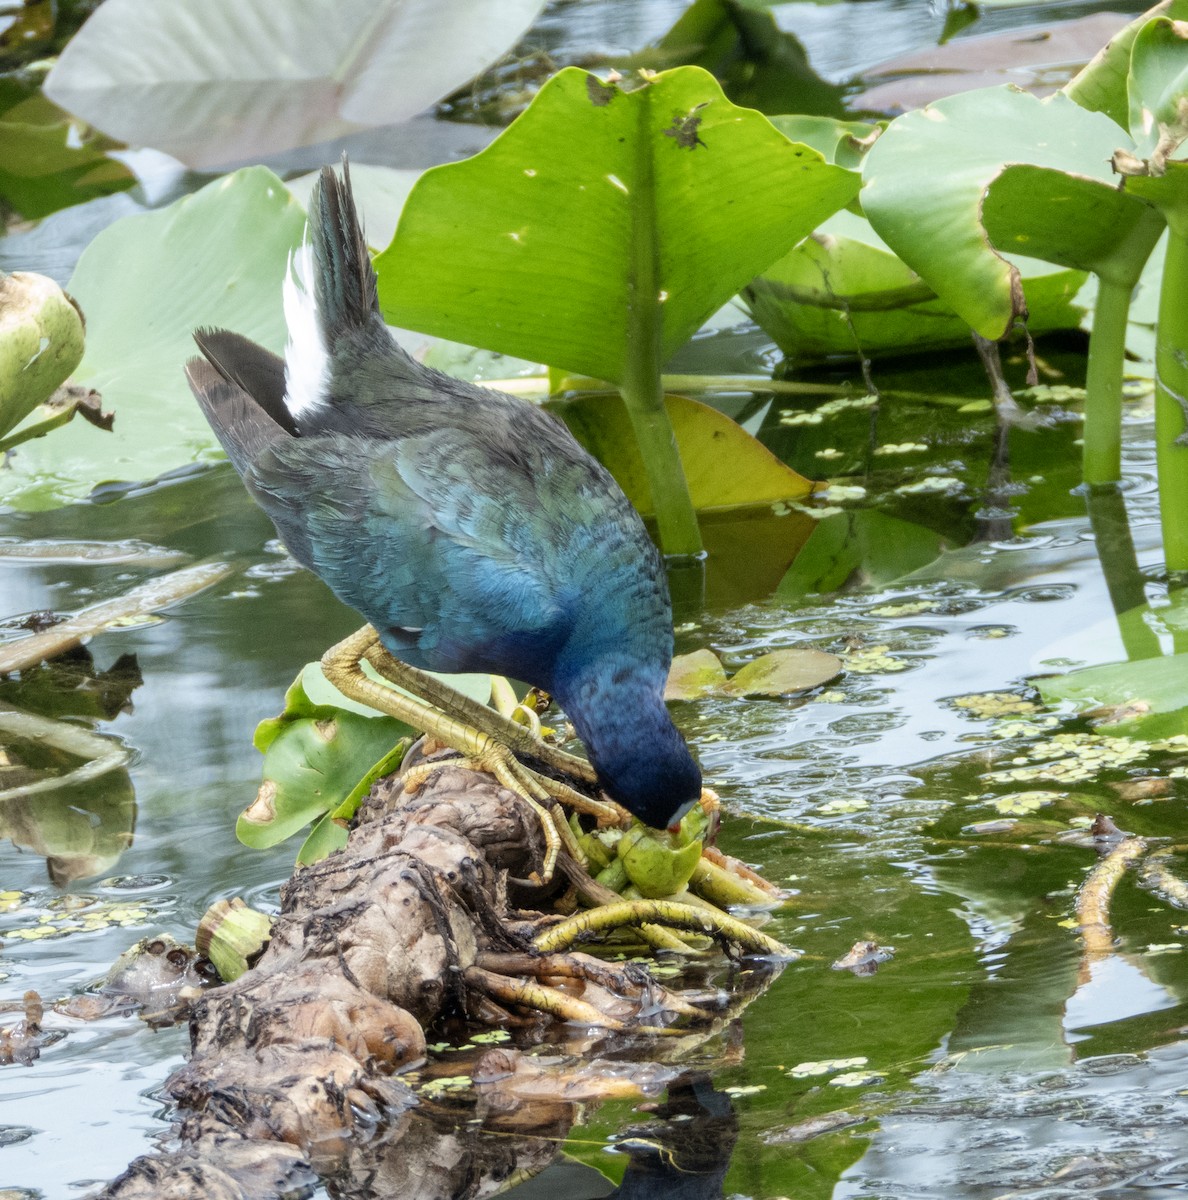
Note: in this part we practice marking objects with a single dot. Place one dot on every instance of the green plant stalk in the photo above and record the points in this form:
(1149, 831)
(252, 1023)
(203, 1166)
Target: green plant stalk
(1102, 451)
(1171, 390)
(39, 429)
(641, 389)
(1119, 564)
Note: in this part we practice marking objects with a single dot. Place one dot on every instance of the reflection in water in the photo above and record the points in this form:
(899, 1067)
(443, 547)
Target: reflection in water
(684, 1154)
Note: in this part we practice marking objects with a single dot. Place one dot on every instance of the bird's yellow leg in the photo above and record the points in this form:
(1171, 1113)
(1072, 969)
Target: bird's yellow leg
(518, 738)
(341, 665)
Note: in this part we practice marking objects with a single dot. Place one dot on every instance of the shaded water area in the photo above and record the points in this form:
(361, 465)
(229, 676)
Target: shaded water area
(985, 1056)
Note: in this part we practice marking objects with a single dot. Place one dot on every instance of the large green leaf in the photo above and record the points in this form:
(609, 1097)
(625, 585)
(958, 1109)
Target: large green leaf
(145, 283)
(534, 247)
(1157, 87)
(1030, 210)
(842, 292)
(840, 142)
(927, 175)
(226, 81)
(1146, 699)
(1102, 85)
(318, 759)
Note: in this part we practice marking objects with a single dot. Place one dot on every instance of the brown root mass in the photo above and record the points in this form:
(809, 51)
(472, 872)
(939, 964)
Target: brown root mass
(296, 1071)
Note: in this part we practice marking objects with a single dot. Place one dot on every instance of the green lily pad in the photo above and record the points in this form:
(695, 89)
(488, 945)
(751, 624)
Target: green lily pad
(843, 292)
(779, 673)
(925, 179)
(227, 81)
(41, 342)
(1147, 699)
(547, 228)
(783, 672)
(145, 283)
(654, 865)
(694, 675)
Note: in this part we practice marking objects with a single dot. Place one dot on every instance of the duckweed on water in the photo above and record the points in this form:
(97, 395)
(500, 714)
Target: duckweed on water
(872, 660)
(1021, 803)
(808, 1070)
(831, 408)
(1069, 758)
(929, 485)
(910, 608)
(68, 914)
(985, 705)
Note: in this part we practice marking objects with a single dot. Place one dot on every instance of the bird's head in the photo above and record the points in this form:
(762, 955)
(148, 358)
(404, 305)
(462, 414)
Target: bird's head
(646, 766)
(616, 704)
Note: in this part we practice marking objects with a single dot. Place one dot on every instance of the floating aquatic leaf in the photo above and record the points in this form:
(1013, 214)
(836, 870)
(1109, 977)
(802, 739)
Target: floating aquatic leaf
(784, 671)
(1158, 685)
(842, 291)
(694, 675)
(779, 673)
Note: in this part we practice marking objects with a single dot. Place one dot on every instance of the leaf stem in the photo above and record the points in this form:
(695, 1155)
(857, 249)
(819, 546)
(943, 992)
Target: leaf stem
(641, 388)
(1171, 390)
(1102, 453)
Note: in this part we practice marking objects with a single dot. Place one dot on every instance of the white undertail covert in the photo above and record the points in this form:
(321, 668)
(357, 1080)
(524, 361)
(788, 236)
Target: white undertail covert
(307, 360)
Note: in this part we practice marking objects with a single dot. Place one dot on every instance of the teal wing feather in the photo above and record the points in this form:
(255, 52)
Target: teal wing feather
(421, 551)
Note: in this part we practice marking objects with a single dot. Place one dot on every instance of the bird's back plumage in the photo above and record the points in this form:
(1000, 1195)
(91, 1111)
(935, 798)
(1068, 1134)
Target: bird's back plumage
(467, 526)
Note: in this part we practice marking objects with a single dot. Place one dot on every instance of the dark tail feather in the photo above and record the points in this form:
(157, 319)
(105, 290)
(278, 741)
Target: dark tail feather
(347, 292)
(257, 371)
(241, 425)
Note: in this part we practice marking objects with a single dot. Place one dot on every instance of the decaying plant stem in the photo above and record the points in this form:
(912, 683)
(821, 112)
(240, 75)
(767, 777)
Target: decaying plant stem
(307, 1064)
(1093, 898)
